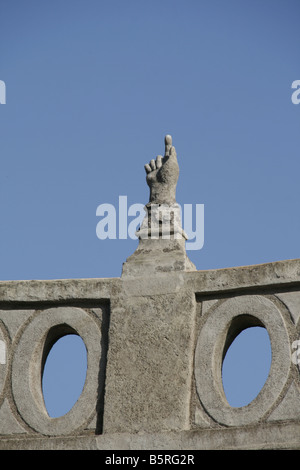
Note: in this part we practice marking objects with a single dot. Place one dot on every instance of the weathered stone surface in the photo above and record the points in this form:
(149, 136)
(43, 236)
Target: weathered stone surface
(153, 257)
(161, 237)
(155, 339)
(56, 290)
(289, 407)
(280, 276)
(259, 437)
(8, 421)
(292, 301)
(218, 330)
(162, 175)
(156, 325)
(149, 374)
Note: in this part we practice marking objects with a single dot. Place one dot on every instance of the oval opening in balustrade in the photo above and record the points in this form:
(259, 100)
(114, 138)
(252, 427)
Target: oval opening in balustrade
(246, 366)
(64, 374)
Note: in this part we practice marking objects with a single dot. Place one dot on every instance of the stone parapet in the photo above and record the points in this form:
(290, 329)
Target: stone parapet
(155, 348)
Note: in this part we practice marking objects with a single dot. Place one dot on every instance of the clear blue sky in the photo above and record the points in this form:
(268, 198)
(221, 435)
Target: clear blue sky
(92, 88)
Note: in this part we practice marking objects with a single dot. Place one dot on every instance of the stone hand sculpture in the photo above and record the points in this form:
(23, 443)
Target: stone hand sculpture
(162, 176)
(161, 236)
